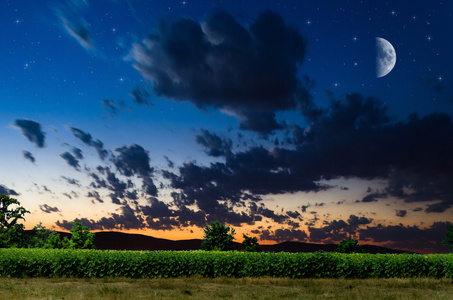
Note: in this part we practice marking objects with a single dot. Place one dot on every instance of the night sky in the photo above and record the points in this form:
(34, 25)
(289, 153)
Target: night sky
(159, 117)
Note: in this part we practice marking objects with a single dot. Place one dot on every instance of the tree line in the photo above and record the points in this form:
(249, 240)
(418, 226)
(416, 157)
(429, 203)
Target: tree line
(12, 234)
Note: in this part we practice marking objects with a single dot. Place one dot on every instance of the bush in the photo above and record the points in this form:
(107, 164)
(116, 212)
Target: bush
(349, 246)
(45, 238)
(81, 238)
(217, 237)
(449, 237)
(251, 244)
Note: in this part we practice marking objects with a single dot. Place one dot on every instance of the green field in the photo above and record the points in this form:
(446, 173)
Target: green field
(224, 288)
(21, 262)
(106, 274)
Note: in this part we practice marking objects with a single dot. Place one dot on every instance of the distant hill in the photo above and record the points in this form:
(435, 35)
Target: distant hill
(127, 241)
(112, 240)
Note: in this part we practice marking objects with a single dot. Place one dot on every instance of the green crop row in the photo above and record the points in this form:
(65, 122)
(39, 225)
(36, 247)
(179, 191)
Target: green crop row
(15, 262)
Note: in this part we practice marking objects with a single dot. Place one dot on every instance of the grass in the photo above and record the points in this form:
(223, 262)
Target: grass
(224, 288)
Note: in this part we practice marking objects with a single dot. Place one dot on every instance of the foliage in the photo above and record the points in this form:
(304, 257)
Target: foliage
(349, 246)
(449, 237)
(217, 237)
(251, 244)
(20, 262)
(11, 233)
(46, 238)
(81, 238)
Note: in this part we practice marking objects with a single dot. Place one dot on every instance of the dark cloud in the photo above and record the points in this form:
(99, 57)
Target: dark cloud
(267, 213)
(6, 191)
(373, 197)
(71, 181)
(134, 160)
(71, 160)
(157, 209)
(244, 176)
(48, 209)
(32, 131)
(95, 195)
(337, 230)
(187, 217)
(129, 163)
(88, 140)
(413, 238)
(140, 96)
(98, 182)
(125, 220)
(67, 195)
(439, 207)
(355, 138)
(77, 152)
(282, 235)
(355, 221)
(170, 163)
(215, 145)
(28, 156)
(115, 185)
(293, 214)
(401, 213)
(216, 65)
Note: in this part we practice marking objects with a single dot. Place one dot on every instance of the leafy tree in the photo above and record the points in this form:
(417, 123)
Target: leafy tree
(217, 237)
(251, 244)
(449, 237)
(46, 238)
(81, 238)
(349, 246)
(11, 233)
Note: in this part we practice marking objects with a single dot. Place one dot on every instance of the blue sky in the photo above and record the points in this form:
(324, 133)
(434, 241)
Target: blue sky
(159, 117)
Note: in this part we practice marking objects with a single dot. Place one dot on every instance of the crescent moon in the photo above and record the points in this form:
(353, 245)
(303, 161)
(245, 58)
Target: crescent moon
(385, 57)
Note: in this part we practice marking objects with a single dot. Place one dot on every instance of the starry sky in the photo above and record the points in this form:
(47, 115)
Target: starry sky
(159, 117)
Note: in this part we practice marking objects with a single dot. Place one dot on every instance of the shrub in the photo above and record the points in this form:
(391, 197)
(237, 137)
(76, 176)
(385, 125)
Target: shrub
(81, 238)
(45, 238)
(251, 244)
(349, 246)
(449, 237)
(217, 237)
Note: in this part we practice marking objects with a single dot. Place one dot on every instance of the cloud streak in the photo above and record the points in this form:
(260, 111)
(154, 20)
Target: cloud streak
(32, 131)
(28, 156)
(88, 140)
